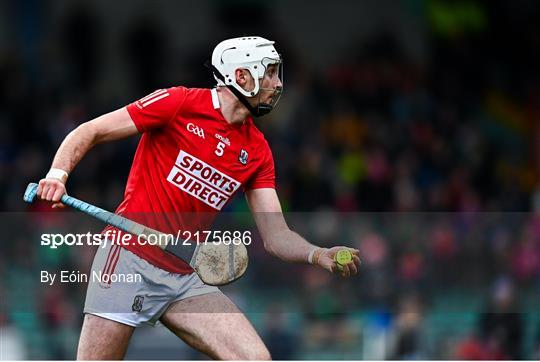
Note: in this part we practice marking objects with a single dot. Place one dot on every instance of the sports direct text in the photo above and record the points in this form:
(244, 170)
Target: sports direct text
(202, 181)
(182, 237)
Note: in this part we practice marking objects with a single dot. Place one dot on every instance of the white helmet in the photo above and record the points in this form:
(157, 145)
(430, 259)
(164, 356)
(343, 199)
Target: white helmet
(252, 53)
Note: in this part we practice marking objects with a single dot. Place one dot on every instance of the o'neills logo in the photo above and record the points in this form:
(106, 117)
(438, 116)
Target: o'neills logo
(202, 181)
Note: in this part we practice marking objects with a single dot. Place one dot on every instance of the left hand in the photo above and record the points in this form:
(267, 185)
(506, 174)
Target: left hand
(325, 259)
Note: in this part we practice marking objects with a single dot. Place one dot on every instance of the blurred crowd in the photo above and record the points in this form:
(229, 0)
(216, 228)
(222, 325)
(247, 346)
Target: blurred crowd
(378, 138)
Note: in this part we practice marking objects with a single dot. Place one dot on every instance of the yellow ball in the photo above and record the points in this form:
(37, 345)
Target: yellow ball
(342, 257)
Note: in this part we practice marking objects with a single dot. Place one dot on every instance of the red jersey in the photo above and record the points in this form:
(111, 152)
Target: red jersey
(189, 160)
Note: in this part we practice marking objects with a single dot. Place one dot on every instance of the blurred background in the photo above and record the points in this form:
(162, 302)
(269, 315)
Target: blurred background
(392, 110)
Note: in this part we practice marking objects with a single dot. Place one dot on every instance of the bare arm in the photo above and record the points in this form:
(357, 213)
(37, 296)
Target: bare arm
(108, 127)
(278, 239)
(284, 243)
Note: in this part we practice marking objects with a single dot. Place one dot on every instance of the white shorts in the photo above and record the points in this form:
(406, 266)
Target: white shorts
(126, 288)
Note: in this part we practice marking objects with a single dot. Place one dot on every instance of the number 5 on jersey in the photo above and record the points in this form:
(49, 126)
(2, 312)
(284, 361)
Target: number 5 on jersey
(219, 149)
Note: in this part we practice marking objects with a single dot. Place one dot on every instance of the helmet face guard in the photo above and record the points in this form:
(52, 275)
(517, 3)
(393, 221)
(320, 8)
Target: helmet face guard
(273, 69)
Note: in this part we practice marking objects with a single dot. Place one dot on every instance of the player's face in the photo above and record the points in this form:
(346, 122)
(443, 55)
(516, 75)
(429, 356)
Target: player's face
(270, 83)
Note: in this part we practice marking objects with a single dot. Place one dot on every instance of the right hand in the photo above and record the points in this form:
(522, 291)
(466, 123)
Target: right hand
(324, 257)
(51, 189)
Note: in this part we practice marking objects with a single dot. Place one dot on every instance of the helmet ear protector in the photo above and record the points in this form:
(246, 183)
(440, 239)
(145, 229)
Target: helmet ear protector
(255, 54)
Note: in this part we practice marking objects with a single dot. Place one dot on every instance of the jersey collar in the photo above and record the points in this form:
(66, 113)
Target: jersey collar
(215, 98)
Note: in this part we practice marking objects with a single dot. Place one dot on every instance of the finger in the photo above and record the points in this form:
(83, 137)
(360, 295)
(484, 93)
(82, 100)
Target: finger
(50, 193)
(331, 266)
(354, 251)
(356, 260)
(353, 269)
(58, 205)
(39, 189)
(44, 192)
(57, 194)
(345, 272)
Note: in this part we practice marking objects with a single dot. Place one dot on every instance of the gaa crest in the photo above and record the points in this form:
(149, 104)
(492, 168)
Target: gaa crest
(137, 303)
(243, 157)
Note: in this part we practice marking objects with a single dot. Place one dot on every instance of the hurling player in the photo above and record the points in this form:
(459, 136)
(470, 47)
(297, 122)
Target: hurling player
(198, 148)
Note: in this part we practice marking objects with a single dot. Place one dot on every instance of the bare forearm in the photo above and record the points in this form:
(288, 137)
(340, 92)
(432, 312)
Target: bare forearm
(289, 246)
(74, 147)
(279, 239)
(108, 127)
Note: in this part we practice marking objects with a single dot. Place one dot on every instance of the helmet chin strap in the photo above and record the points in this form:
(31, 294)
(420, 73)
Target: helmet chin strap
(261, 109)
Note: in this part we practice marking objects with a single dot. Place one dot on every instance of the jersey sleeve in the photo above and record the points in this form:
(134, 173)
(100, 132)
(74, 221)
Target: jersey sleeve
(157, 109)
(265, 176)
